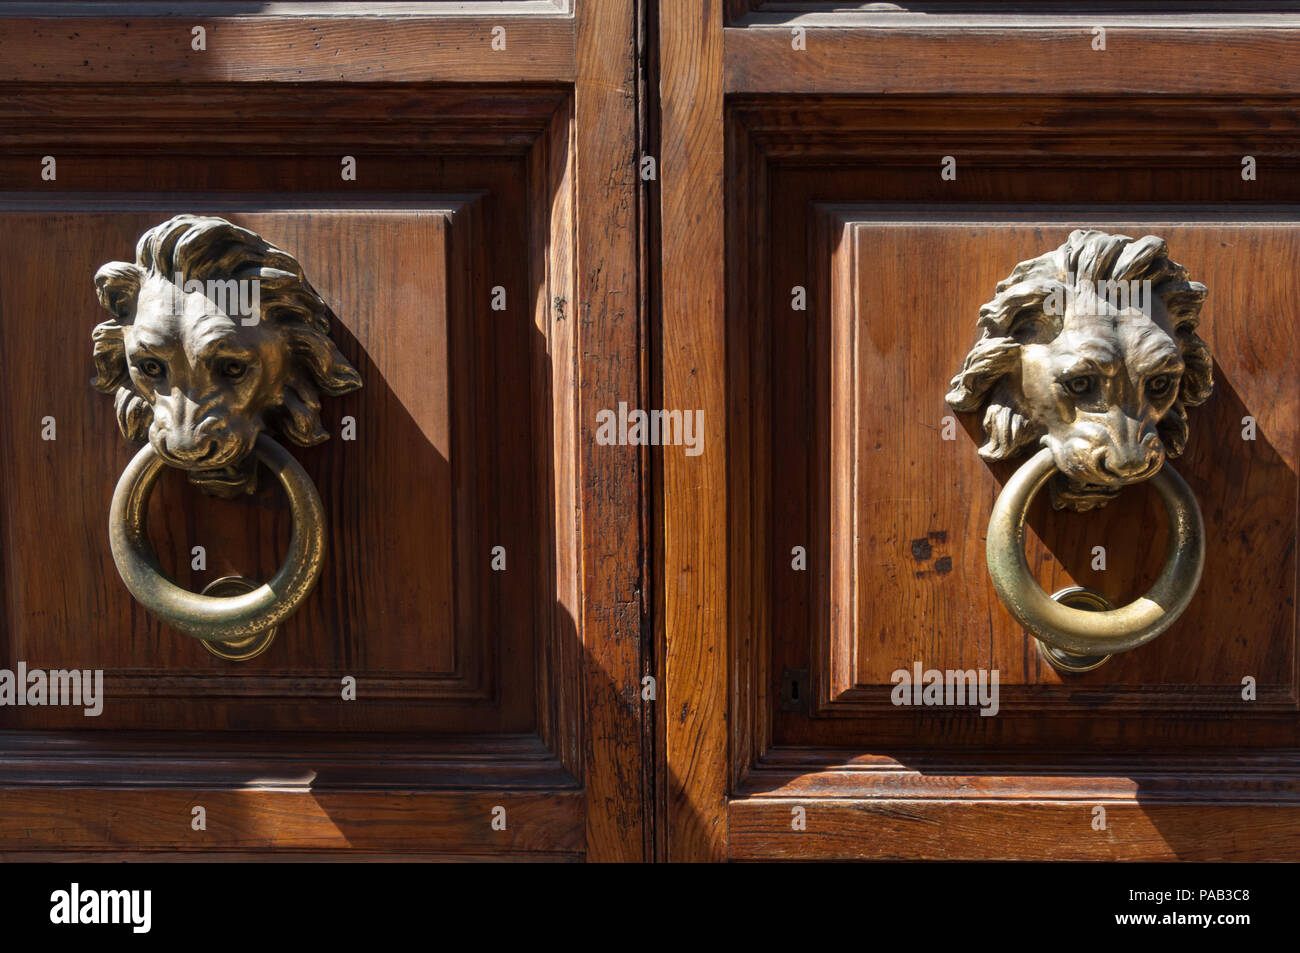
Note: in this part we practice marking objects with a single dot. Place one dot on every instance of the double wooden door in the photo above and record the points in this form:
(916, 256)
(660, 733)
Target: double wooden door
(531, 640)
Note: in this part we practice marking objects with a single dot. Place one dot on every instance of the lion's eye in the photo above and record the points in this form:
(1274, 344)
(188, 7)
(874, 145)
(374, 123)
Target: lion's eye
(1159, 385)
(151, 367)
(233, 370)
(1080, 385)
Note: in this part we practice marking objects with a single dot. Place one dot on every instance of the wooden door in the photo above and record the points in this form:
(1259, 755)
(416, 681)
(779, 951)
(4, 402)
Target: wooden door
(842, 191)
(458, 184)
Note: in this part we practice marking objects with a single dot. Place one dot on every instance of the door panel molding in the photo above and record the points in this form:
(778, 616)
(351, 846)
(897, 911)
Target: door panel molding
(259, 48)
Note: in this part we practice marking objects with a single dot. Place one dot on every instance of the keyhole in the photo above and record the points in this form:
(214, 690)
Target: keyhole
(794, 691)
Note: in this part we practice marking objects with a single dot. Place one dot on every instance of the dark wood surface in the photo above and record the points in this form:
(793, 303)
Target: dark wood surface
(831, 181)
(775, 167)
(286, 49)
(1049, 59)
(476, 168)
(611, 331)
(404, 606)
(916, 582)
(695, 548)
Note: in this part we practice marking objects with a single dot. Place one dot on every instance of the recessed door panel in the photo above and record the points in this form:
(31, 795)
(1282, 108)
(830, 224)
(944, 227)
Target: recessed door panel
(404, 605)
(906, 499)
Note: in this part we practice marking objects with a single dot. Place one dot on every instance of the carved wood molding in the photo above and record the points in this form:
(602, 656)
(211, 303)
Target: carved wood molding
(792, 153)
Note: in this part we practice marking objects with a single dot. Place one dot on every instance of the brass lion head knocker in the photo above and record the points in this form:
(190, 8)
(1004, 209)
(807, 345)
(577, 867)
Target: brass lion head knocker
(217, 340)
(1090, 352)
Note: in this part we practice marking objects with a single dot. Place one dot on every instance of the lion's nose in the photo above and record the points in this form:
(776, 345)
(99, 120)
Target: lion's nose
(189, 448)
(1132, 464)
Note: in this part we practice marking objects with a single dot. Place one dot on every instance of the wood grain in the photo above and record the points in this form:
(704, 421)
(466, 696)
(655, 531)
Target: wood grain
(798, 188)
(694, 338)
(75, 819)
(909, 509)
(275, 119)
(1048, 60)
(811, 138)
(120, 792)
(286, 49)
(610, 334)
(384, 611)
(476, 168)
(965, 828)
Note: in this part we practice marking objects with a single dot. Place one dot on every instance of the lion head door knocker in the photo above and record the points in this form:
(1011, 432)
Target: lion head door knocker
(216, 341)
(1090, 353)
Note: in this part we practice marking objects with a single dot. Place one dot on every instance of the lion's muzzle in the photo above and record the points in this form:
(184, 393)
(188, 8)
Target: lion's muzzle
(192, 435)
(1108, 450)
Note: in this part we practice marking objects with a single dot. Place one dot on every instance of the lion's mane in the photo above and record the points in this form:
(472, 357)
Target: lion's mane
(209, 248)
(989, 375)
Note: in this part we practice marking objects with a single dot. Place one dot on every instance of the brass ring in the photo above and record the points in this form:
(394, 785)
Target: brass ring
(217, 619)
(1079, 631)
